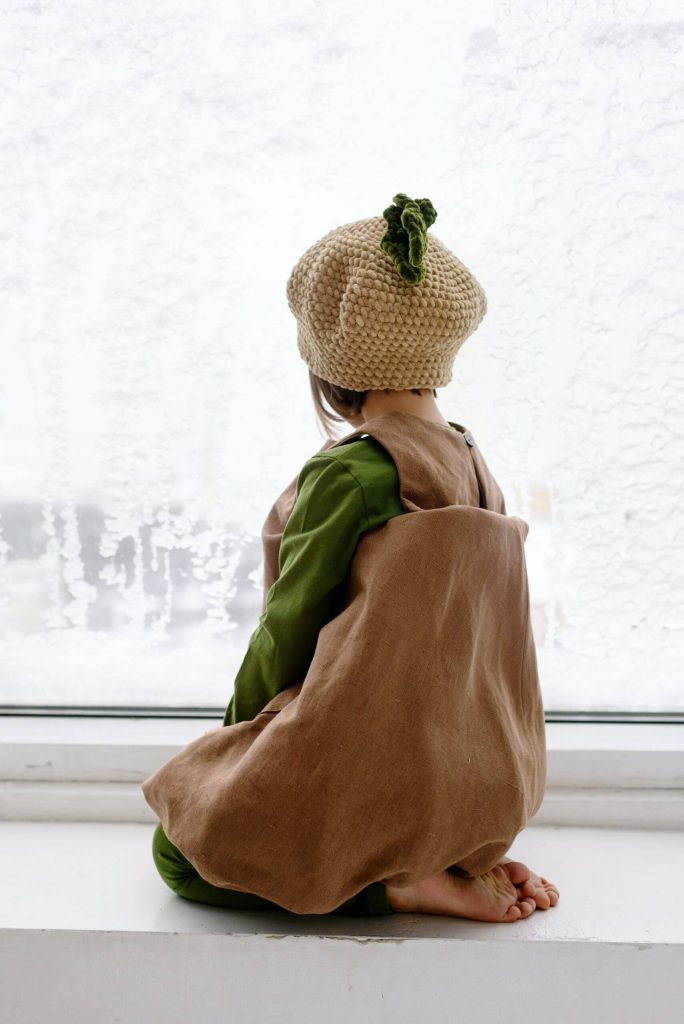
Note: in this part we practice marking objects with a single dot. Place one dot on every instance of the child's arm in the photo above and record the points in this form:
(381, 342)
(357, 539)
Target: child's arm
(317, 545)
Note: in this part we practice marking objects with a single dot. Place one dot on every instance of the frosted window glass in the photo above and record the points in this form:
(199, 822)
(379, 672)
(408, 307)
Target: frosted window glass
(162, 171)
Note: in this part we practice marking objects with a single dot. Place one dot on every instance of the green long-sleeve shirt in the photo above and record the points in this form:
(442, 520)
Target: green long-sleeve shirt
(341, 493)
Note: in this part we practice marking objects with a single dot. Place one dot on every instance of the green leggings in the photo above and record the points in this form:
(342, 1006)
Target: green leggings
(181, 876)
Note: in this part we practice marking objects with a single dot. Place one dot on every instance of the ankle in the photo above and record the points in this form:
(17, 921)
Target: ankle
(399, 898)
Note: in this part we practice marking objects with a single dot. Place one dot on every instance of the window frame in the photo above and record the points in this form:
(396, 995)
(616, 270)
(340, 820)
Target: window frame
(211, 712)
(90, 767)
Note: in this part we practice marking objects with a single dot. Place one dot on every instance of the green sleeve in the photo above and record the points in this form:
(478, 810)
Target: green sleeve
(335, 504)
(320, 536)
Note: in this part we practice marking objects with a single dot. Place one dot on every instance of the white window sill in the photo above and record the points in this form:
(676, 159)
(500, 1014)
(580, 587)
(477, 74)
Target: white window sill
(89, 932)
(90, 769)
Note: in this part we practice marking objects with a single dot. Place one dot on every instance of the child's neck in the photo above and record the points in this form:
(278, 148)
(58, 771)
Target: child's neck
(379, 403)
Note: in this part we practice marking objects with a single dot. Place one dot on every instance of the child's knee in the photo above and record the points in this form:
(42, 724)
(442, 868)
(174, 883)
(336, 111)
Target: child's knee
(175, 869)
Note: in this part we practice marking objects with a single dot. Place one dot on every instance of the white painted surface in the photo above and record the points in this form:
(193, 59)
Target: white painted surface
(90, 769)
(128, 749)
(88, 931)
(123, 801)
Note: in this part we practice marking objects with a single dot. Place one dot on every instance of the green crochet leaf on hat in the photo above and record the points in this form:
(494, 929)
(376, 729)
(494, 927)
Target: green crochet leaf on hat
(406, 240)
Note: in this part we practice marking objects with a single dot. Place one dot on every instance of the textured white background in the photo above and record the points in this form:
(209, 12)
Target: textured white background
(162, 168)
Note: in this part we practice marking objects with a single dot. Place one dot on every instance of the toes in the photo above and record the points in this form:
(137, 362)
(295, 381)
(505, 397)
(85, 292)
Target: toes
(533, 889)
(519, 910)
(528, 888)
(514, 913)
(542, 899)
(546, 896)
(518, 872)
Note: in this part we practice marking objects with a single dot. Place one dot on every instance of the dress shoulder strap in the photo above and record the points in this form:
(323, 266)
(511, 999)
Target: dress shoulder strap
(437, 465)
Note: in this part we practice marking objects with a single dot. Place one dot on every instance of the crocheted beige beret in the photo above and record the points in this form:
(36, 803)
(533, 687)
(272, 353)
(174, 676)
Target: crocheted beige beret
(380, 304)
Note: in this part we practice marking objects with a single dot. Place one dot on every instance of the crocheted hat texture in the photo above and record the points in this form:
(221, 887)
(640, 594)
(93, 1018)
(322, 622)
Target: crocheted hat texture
(380, 304)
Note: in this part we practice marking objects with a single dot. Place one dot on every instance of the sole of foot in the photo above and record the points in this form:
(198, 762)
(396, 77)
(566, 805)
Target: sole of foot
(509, 892)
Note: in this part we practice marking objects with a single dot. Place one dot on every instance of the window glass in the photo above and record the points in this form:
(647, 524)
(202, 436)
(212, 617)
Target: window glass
(153, 403)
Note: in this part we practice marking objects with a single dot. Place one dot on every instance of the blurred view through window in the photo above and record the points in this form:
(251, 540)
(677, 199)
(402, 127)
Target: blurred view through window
(161, 175)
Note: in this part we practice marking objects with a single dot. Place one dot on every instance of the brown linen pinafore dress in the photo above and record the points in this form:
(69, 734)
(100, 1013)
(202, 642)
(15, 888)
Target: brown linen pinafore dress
(416, 739)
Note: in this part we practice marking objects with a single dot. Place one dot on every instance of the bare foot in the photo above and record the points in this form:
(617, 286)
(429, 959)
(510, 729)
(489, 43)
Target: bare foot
(489, 897)
(544, 893)
(508, 892)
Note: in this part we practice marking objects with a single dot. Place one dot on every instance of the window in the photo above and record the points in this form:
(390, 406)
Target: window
(153, 403)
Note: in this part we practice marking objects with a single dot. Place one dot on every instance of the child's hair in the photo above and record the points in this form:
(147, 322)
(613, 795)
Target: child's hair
(342, 400)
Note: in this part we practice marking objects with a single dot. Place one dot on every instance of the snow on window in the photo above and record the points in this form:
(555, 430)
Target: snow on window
(161, 176)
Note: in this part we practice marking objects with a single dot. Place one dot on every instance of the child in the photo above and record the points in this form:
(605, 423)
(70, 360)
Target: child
(381, 314)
